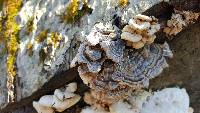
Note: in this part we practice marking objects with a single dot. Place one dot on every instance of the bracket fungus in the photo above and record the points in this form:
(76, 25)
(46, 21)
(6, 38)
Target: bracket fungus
(111, 70)
(179, 20)
(140, 31)
(116, 80)
(98, 47)
(60, 101)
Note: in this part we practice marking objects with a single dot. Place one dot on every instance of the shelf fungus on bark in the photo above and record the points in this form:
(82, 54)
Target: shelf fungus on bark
(140, 31)
(179, 20)
(117, 80)
(100, 44)
(113, 71)
(91, 58)
(60, 101)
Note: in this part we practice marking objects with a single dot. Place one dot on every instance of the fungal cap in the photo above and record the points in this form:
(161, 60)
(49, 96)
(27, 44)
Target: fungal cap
(42, 109)
(68, 93)
(72, 87)
(46, 100)
(143, 17)
(131, 37)
(93, 54)
(191, 110)
(138, 45)
(63, 95)
(93, 38)
(151, 39)
(142, 26)
(114, 49)
(154, 29)
(128, 28)
(60, 106)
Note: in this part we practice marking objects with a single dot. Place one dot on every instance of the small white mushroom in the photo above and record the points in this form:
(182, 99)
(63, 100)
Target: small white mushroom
(63, 95)
(60, 106)
(140, 31)
(137, 45)
(46, 100)
(143, 17)
(93, 38)
(131, 37)
(60, 101)
(72, 87)
(154, 29)
(42, 109)
(68, 93)
(191, 110)
(142, 26)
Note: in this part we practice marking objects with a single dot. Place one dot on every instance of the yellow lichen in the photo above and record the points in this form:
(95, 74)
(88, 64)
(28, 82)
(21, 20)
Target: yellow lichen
(29, 26)
(42, 36)
(123, 3)
(10, 65)
(72, 13)
(1, 29)
(30, 49)
(12, 47)
(55, 38)
(11, 33)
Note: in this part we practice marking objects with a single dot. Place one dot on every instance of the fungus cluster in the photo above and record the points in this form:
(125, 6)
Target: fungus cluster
(179, 20)
(60, 101)
(113, 71)
(140, 31)
(116, 80)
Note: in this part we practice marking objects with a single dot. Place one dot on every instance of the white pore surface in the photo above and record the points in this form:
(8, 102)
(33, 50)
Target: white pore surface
(169, 100)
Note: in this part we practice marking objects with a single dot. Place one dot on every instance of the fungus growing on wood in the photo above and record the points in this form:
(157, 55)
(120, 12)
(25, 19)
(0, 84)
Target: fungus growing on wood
(111, 70)
(179, 20)
(140, 31)
(60, 101)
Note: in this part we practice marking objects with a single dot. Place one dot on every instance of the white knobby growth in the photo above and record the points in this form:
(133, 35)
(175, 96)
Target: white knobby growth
(60, 101)
(168, 100)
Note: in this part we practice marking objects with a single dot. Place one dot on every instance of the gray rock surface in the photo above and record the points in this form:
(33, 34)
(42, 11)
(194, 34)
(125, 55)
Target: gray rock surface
(3, 82)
